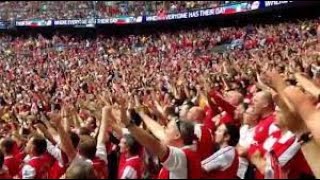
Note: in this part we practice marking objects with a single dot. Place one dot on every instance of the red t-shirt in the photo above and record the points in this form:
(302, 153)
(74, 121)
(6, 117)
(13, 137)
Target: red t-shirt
(226, 106)
(263, 129)
(210, 113)
(132, 168)
(205, 143)
(5, 175)
(100, 168)
(13, 165)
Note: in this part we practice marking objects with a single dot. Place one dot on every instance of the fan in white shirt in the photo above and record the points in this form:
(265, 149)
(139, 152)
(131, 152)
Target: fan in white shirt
(250, 120)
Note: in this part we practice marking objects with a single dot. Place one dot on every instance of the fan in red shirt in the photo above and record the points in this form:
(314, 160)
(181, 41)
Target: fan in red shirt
(177, 152)
(36, 166)
(228, 105)
(4, 174)
(132, 166)
(204, 145)
(264, 106)
(10, 161)
(89, 150)
(284, 146)
(224, 163)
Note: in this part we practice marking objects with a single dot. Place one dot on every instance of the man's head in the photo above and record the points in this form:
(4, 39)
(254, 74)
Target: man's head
(179, 133)
(227, 134)
(84, 131)
(263, 103)
(7, 146)
(37, 145)
(195, 114)
(235, 98)
(169, 111)
(250, 116)
(80, 170)
(91, 123)
(129, 145)
(87, 147)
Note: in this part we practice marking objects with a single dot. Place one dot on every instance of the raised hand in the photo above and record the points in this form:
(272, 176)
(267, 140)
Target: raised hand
(274, 80)
(55, 119)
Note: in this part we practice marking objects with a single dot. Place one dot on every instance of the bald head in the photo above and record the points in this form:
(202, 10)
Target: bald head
(196, 114)
(263, 101)
(234, 97)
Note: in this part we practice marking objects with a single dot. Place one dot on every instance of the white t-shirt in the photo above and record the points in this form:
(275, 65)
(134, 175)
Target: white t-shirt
(220, 160)
(246, 139)
(246, 136)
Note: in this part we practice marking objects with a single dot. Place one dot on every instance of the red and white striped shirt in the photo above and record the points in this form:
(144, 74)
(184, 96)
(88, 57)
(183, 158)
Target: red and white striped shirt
(287, 150)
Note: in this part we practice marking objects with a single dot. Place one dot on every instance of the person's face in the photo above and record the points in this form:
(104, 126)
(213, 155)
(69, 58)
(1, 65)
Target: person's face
(249, 116)
(195, 114)
(123, 146)
(258, 103)
(220, 137)
(172, 134)
(232, 98)
(90, 124)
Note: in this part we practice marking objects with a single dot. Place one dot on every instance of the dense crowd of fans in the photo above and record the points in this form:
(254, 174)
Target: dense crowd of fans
(164, 105)
(25, 10)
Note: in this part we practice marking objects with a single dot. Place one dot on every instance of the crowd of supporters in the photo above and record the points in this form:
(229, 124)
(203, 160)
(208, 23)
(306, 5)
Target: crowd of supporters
(166, 105)
(26, 10)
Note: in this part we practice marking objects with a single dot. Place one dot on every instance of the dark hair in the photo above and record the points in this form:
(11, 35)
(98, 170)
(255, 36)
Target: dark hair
(7, 146)
(186, 130)
(134, 146)
(75, 139)
(233, 132)
(170, 111)
(40, 144)
(87, 147)
(84, 131)
(1, 159)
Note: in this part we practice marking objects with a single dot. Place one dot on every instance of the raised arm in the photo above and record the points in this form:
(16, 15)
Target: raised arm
(226, 106)
(144, 138)
(308, 85)
(106, 111)
(307, 109)
(66, 143)
(294, 120)
(155, 128)
(46, 133)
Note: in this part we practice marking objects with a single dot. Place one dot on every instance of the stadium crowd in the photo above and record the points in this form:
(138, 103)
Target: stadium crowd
(26, 10)
(165, 105)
